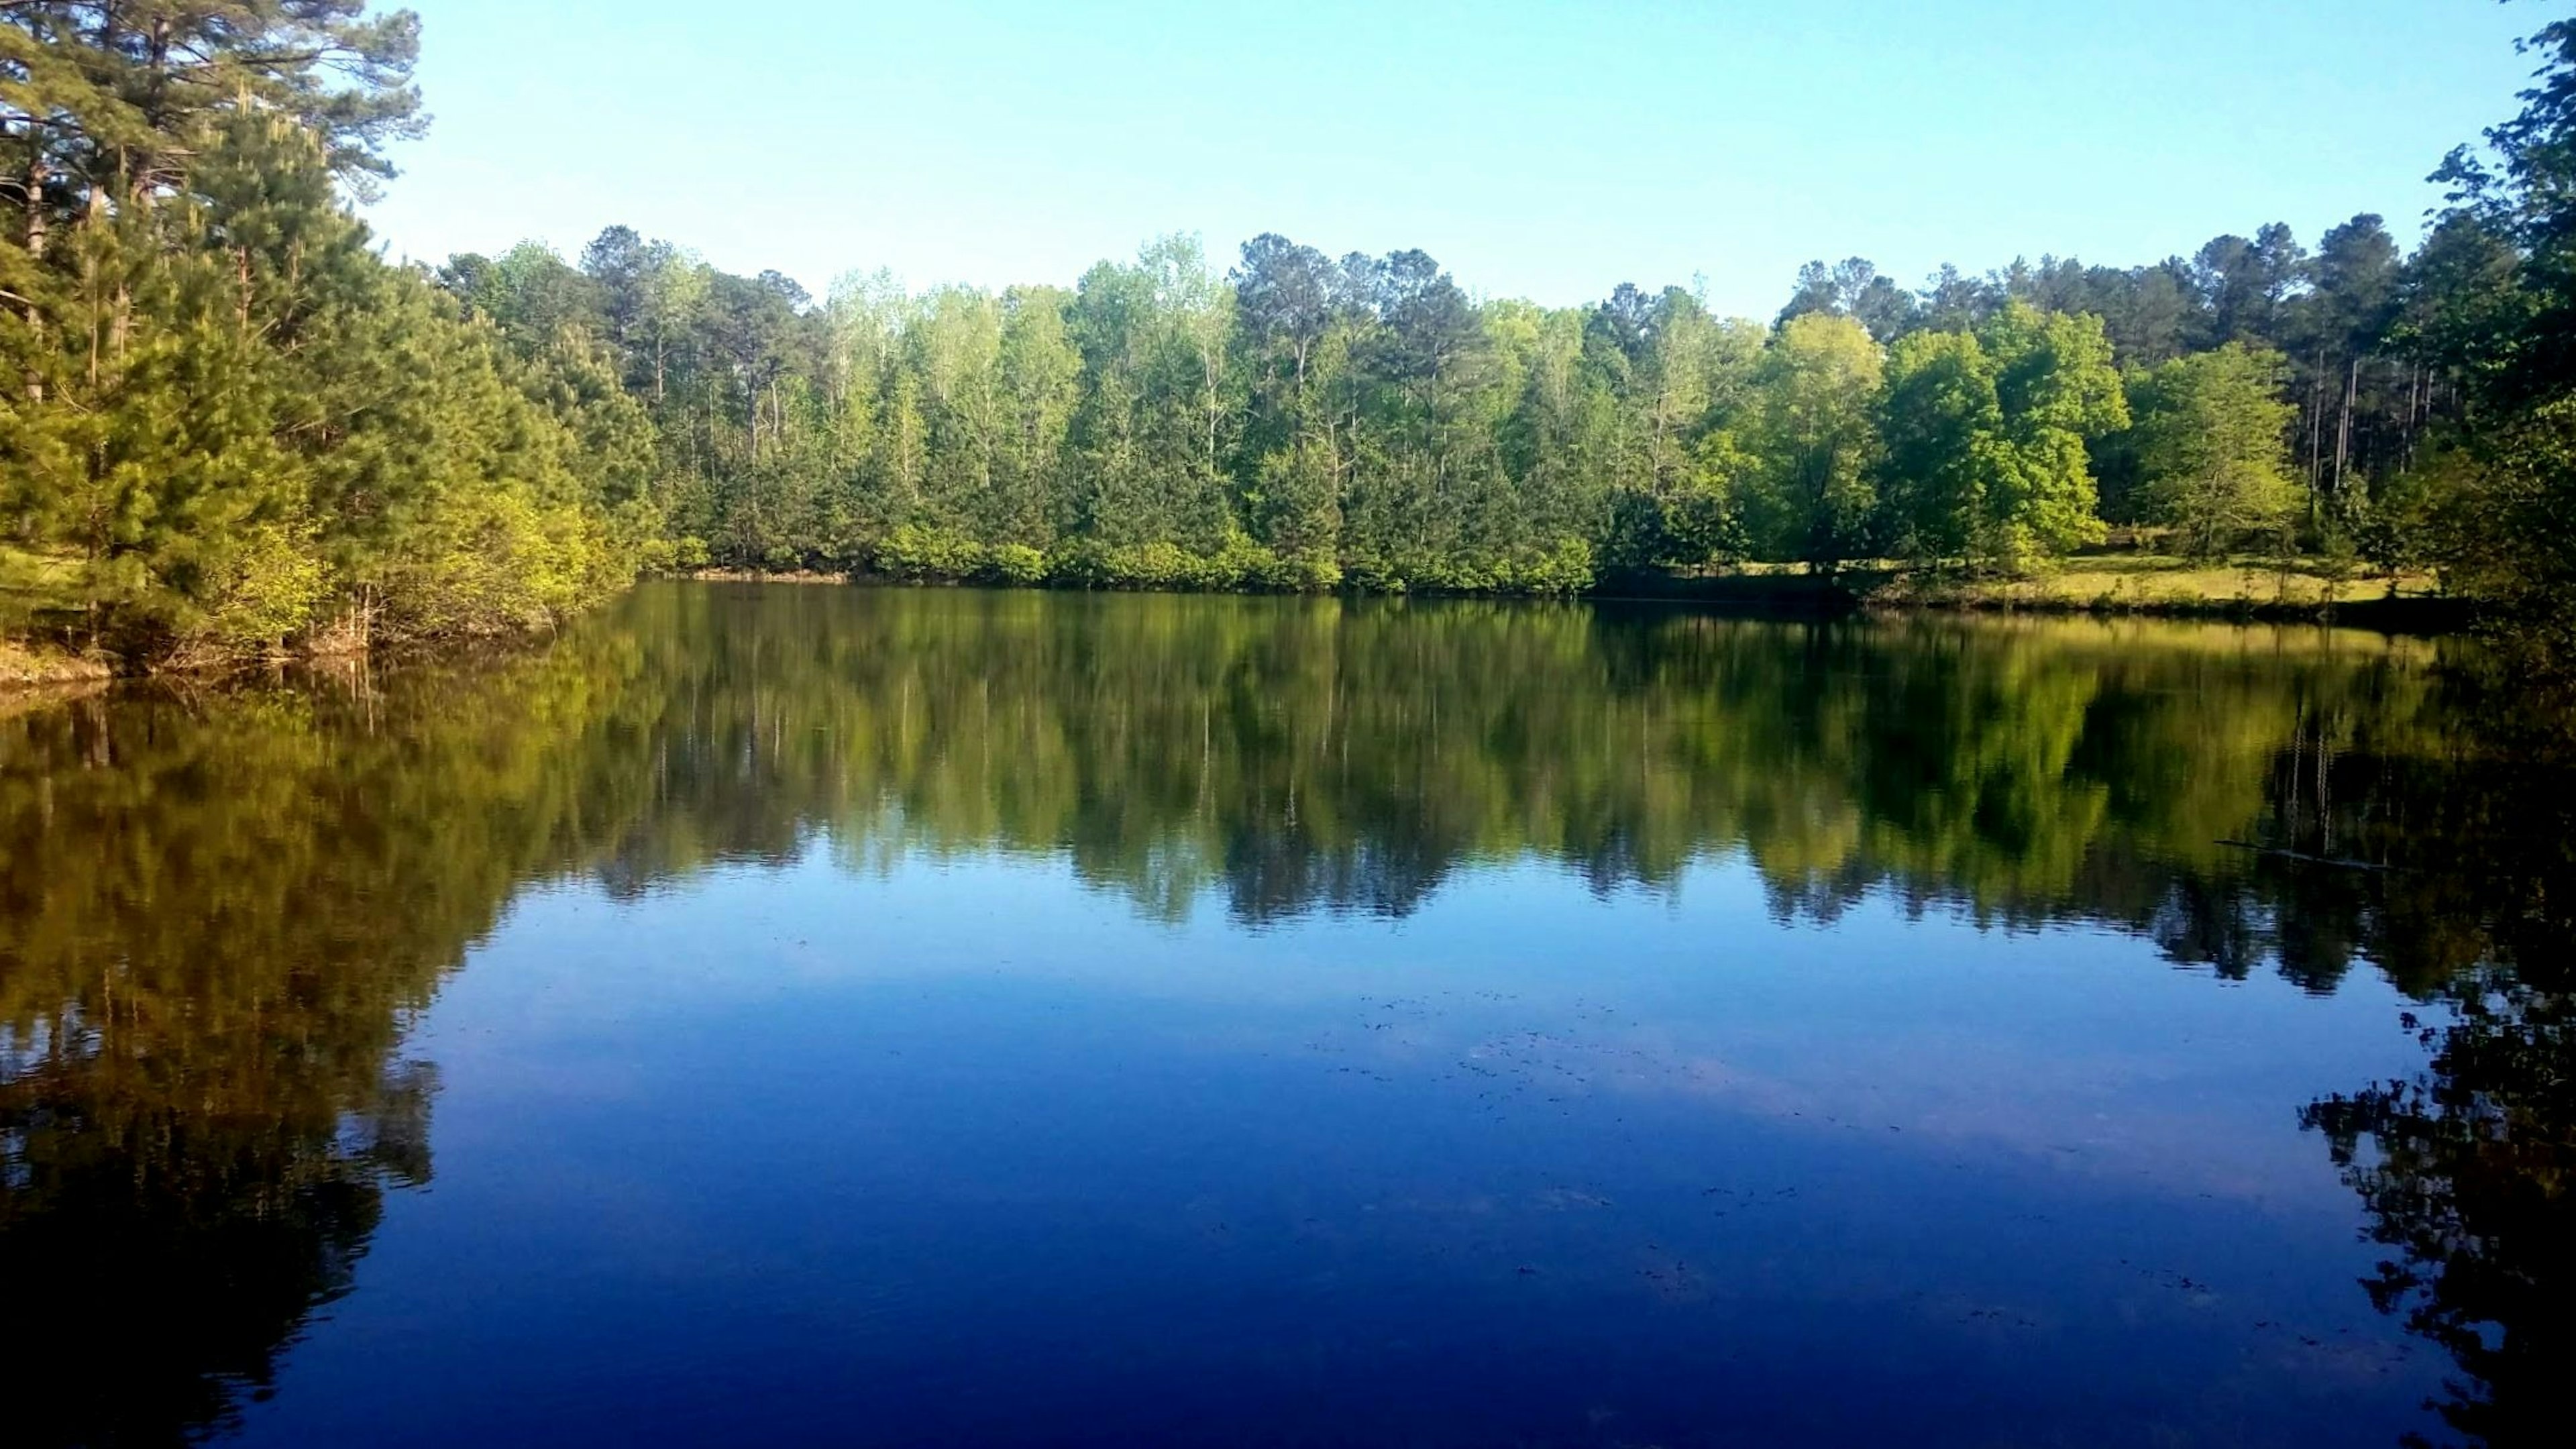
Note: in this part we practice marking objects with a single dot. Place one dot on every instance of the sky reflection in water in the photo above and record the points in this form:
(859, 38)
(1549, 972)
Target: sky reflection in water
(823, 1016)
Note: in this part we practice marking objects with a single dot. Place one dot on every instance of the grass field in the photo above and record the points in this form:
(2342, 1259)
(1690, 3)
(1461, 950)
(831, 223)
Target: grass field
(2112, 582)
(2161, 583)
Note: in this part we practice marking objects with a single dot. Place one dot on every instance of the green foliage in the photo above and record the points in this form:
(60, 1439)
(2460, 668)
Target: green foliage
(1161, 564)
(240, 427)
(1309, 424)
(2512, 539)
(1015, 563)
(1307, 573)
(1987, 434)
(268, 587)
(2505, 319)
(1813, 426)
(918, 551)
(2409, 523)
(2058, 392)
(2213, 447)
(1298, 426)
(1942, 426)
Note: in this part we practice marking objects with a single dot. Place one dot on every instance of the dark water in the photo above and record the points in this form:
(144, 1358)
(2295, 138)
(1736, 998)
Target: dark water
(812, 1015)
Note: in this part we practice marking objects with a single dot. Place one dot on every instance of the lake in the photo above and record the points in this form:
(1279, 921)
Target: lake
(802, 1014)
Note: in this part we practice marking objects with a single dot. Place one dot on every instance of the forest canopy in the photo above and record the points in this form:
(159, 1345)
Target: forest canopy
(228, 424)
(1297, 421)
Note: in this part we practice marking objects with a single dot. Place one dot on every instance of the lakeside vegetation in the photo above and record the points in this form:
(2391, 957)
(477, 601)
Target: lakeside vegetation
(227, 426)
(226, 423)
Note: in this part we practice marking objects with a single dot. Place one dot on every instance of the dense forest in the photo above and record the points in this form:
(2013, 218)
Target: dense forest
(227, 424)
(1301, 422)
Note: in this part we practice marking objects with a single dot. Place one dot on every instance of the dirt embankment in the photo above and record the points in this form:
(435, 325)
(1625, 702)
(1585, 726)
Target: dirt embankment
(32, 664)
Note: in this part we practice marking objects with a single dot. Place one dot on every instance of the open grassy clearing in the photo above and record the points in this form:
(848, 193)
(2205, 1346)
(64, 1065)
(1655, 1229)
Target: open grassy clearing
(2150, 582)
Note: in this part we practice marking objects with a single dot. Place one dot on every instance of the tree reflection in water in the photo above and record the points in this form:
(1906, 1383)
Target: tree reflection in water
(221, 910)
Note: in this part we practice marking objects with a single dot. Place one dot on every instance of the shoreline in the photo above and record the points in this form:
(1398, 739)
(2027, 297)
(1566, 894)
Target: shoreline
(28, 666)
(1874, 592)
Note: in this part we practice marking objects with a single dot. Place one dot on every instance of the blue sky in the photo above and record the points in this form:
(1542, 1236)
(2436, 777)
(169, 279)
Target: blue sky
(1537, 149)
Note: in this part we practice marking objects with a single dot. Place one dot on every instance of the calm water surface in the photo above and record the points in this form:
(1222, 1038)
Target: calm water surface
(813, 1015)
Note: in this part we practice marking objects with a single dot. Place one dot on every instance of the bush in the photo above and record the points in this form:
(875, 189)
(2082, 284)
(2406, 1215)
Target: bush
(1014, 563)
(915, 551)
(268, 586)
(1308, 573)
(1565, 568)
(1161, 564)
(1376, 574)
(1241, 563)
(503, 562)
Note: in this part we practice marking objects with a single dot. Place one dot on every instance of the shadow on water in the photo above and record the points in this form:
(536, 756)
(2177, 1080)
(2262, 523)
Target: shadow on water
(220, 912)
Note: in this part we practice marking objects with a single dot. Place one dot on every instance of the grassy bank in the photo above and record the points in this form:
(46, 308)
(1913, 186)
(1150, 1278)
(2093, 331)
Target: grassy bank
(2164, 583)
(2242, 587)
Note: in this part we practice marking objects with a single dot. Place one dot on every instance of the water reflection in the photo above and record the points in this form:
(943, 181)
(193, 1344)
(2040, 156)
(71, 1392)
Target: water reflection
(2467, 1167)
(221, 911)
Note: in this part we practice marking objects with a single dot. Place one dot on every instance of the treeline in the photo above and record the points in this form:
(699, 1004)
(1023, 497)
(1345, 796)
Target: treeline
(1303, 422)
(225, 421)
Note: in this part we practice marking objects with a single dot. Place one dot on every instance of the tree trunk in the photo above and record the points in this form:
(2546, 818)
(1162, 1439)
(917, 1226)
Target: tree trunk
(34, 181)
(156, 111)
(2343, 426)
(2316, 432)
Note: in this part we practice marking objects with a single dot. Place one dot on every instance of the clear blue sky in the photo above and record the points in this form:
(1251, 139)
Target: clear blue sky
(1537, 149)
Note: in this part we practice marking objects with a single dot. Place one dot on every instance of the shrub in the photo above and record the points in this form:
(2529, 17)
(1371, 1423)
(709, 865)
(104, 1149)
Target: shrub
(1161, 564)
(1565, 568)
(916, 551)
(1240, 563)
(1014, 563)
(268, 586)
(1308, 573)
